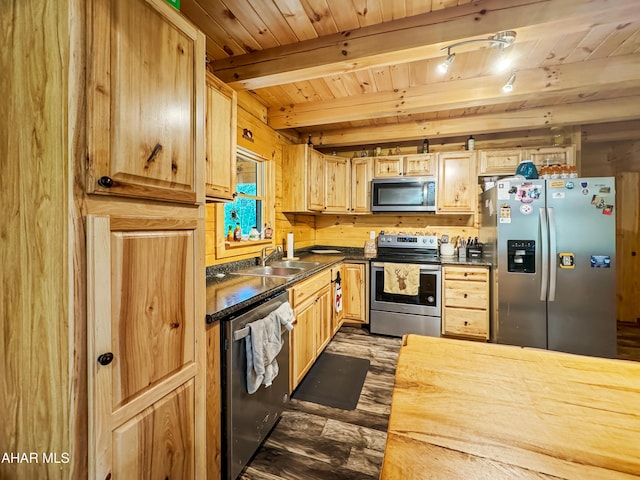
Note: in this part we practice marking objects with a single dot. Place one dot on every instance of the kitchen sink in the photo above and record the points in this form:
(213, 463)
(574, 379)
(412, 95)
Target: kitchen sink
(295, 264)
(271, 271)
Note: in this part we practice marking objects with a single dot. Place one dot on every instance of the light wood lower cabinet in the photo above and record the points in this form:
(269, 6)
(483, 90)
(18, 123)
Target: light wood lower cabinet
(142, 276)
(311, 301)
(354, 293)
(337, 317)
(214, 402)
(466, 301)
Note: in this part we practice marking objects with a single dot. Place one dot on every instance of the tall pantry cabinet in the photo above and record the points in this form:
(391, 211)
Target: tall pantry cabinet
(145, 241)
(103, 228)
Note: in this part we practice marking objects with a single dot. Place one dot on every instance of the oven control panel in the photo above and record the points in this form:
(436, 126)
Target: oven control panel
(408, 241)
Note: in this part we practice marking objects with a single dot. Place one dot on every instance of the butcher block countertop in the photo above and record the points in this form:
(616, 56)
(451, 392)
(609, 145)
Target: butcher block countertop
(467, 410)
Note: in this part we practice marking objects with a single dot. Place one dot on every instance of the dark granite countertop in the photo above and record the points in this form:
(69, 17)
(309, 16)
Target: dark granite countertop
(228, 293)
(478, 262)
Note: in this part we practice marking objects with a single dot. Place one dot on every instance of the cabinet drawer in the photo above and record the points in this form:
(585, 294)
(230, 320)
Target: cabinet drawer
(462, 321)
(466, 273)
(308, 288)
(466, 294)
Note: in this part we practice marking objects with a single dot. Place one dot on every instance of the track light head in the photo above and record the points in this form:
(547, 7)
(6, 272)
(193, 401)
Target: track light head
(503, 40)
(508, 87)
(444, 66)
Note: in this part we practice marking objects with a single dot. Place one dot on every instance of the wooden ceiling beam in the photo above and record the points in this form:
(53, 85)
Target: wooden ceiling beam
(581, 113)
(408, 39)
(583, 79)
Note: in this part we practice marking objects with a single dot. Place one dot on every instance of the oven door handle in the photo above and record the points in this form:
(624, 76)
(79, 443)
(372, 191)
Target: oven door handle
(423, 267)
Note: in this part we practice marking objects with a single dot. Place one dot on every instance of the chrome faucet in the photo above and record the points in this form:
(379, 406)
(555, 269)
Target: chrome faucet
(264, 258)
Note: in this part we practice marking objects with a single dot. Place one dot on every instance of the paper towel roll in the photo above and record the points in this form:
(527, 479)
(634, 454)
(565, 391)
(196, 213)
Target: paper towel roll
(290, 245)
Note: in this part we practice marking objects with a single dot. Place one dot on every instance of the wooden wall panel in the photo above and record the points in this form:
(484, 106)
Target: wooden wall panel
(42, 409)
(628, 246)
(622, 160)
(353, 230)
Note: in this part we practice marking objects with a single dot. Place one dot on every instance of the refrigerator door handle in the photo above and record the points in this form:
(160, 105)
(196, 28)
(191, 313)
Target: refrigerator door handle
(545, 254)
(553, 255)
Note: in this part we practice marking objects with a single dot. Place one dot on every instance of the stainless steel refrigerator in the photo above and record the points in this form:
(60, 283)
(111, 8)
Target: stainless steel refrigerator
(552, 244)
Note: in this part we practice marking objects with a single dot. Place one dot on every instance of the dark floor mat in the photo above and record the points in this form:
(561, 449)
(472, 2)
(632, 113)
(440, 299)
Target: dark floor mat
(334, 381)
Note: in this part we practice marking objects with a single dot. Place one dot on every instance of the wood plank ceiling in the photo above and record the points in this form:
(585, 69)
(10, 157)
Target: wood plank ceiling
(349, 72)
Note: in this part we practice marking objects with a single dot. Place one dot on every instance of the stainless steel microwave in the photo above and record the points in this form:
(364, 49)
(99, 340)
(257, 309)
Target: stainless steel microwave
(403, 194)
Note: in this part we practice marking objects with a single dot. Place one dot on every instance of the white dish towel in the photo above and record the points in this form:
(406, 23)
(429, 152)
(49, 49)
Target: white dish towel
(263, 344)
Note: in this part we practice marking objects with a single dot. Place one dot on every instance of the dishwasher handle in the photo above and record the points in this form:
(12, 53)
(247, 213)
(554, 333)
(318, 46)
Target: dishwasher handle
(244, 333)
(240, 334)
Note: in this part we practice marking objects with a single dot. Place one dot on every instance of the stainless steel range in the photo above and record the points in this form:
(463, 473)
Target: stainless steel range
(406, 286)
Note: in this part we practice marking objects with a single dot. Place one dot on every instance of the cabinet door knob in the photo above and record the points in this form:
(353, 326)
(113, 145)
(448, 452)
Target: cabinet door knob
(105, 358)
(106, 182)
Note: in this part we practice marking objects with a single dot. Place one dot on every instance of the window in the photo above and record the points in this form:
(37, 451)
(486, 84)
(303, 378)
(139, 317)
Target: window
(247, 209)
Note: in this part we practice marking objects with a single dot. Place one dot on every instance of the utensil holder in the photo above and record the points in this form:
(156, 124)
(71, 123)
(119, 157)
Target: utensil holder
(447, 249)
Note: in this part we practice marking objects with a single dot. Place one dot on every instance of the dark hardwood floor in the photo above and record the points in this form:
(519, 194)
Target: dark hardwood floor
(313, 442)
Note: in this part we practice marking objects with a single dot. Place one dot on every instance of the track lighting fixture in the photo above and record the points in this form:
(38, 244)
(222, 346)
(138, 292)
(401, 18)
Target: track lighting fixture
(444, 66)
(500, 40)
(508, 87)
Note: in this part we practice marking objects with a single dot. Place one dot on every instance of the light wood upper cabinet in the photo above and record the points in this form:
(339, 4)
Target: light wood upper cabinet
(500, 162)
(465, 301)
(337, 184)
(424, 164)
(564, 155)
(387, 166)
(316, 180)
(361, 175)
(145, 122)
(505, 161)
(142, 345)
(303, 179)
(221, 133)
(457, 182)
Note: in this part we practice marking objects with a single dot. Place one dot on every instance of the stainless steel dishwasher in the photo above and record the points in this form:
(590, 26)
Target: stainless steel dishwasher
(247, 418)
